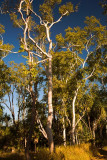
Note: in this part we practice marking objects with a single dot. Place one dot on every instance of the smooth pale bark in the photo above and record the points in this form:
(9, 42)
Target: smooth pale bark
(73, 120)
(64, 132)
(50, 109)
(76, 139)
(73, 116)
(47, 26)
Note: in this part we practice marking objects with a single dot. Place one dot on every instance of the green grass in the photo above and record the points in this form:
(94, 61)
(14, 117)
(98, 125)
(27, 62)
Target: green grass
(82, 152)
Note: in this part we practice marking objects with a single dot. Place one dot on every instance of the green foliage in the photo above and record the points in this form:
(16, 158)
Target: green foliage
(60, 40)
(76, 37)
(103, 3)
(16, 20)
(4, 48)
(1, 114)
(4, 79)
(22, 75)
(68, 7)
(46, 9)
(69, 73)
(2, 29)
(94, 27)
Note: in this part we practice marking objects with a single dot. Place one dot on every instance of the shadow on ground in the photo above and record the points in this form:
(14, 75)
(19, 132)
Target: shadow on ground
(103, 153)
(12, 156)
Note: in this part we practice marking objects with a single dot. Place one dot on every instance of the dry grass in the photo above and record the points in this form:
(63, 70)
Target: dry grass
(82, 152)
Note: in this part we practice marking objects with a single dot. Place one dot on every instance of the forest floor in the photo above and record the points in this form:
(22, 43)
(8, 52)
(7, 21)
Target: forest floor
(75, 153)
(103, 154)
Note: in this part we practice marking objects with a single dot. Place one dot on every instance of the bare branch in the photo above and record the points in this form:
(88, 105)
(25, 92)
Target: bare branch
(28, 89)
(68, 119)
(42, 51)
(41, 21)
(19, 25)
(31, 1)
(90, 74)
(58, 19)
(42, 60)
(8, 50)
(36, 54)
(41, 128)
(6, 106)
(87, 50)
(80, 118)
(85, 123)
(20, 7)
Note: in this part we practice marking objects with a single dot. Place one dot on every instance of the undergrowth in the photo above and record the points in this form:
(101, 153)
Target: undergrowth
(82, 152)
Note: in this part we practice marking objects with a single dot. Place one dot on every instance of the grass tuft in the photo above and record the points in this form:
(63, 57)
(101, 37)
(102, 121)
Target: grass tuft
(81, 152)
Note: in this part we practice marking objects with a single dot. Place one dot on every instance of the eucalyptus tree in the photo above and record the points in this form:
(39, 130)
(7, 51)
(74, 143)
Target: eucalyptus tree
(39, 48)
(90, 42)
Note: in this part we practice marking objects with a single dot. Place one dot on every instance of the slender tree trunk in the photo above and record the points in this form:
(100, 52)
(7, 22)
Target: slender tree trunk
(89, 122)
(73, 115)
(50, 109)
(94, 127)
(93, 132)
(106, 127)
(73, 121)
(13, 117)
(76, 138)
(31, 129)
(101, 130)
(32, 122)
(64, 132)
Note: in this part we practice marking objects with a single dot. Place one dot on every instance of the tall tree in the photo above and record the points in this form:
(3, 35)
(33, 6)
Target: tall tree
(44, 53)
(89, 41)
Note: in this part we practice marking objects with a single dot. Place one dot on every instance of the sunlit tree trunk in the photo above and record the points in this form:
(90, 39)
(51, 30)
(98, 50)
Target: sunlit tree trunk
(50, 109)
(73, 120)
(64, 132)
(73, 129)
(73, 116)
(76, 138)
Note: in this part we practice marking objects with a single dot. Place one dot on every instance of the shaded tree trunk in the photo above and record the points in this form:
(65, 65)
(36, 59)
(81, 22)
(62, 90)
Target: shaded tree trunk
(93, 132)
(32, 123)
(94, 127)
(89, 122)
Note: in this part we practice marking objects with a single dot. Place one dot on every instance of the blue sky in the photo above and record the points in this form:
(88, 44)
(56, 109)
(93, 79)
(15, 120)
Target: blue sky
(86, 8)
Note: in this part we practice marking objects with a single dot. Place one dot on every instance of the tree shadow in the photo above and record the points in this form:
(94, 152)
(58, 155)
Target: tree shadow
(103, 153)
(12, 156)
(98, 152)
